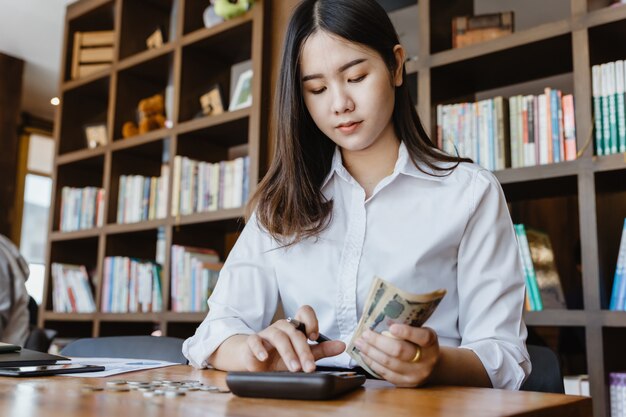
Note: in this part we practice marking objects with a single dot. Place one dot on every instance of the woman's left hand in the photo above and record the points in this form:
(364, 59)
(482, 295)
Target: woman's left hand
(395, 357)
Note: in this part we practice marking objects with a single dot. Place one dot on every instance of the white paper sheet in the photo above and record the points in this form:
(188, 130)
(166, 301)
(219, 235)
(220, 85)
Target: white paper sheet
(114, 366)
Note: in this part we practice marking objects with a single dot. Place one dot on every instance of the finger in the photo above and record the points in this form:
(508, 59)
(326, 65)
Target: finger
(423, 336)
(306, 315)
(282, 342)
(255, 343)
(299, 344)
(328, 349)
(390, 362)
(391, 346)
(388, 374)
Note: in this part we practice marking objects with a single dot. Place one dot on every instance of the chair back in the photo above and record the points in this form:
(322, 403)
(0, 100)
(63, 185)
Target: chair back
(546, 373)
(134, 347)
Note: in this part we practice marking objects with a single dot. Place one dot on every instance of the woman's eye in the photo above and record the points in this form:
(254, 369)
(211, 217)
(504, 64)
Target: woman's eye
(357, 79)
(319, 90)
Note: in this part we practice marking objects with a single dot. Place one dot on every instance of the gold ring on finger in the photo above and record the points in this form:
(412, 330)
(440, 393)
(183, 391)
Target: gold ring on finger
(418, 354)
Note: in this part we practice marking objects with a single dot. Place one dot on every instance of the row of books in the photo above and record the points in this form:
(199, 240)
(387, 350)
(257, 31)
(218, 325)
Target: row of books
(519, 131)
(577, 385)
(608, 86)
(81, 208)
(543, 285)
(618, 294)
(617, 393)
(142, 198)
(72, 291)
(204, 186)
(194, 275)
(131, 286)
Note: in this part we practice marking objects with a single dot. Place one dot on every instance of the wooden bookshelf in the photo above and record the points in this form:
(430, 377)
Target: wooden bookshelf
(191, 59)
(582, 200)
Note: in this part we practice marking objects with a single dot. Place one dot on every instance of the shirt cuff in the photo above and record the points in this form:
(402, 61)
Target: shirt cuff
(505, 363)
(209, 336)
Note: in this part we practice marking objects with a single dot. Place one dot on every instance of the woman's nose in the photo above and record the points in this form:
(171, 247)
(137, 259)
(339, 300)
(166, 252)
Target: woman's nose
(342, 102)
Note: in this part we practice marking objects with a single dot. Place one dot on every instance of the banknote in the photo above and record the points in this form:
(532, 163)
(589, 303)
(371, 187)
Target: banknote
(387, 305)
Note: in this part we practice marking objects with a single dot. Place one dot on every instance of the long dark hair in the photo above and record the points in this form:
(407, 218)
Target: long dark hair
(289, 202)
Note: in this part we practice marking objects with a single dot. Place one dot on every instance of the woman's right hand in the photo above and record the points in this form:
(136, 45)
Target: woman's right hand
(282, 347)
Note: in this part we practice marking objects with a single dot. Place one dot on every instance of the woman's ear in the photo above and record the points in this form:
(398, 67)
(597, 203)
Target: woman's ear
(400, 55)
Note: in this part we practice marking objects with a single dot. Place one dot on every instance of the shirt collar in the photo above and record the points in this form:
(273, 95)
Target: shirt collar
(404, 165)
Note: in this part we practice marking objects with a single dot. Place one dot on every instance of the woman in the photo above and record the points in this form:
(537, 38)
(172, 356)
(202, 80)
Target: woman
(356, 189)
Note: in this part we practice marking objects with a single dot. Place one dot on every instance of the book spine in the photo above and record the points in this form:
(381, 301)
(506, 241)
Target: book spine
(620, 272)
(543, 130)
(569, 127)
(549, 139)
(529, 301)
(532, 151)
(513, 132)
(596, 89)
(612, 106)
(606, 126)
(620, 89)
(532, 278)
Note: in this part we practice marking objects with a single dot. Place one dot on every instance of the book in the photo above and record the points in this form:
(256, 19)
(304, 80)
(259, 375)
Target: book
(620, 89)
(546, 274)
(618, 294)
(532, 288)
(596, 78)
(468, 30)
(72, 290)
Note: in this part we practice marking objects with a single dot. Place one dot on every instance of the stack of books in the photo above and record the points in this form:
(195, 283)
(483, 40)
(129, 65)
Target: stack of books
(194, 276)
(81, 208)
(618, 294)
(204, 186)
(142, 198)
(131, 286)
(516, 132)
(609, 110)
(72, 291)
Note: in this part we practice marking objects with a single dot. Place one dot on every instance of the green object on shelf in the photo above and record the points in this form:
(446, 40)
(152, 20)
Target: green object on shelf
(229, 9)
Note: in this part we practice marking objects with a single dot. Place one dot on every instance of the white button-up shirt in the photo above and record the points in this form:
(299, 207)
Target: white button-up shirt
(419, 232)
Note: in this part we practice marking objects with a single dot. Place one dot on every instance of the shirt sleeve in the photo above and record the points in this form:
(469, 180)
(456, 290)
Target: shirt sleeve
(245, 297)
(491, 287)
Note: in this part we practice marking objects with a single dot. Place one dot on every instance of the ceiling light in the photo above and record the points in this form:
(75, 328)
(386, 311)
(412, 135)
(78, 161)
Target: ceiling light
(55, 101)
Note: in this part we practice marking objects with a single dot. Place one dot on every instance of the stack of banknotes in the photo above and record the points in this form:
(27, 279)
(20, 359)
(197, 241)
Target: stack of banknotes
(387, 305)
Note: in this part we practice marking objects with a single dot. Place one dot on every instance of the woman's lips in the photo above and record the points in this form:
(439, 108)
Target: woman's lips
(348, 127)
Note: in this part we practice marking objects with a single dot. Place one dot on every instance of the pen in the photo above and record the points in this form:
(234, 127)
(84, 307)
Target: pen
(300, 327)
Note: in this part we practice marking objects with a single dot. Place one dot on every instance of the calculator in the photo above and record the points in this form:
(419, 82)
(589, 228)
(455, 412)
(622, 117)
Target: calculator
(320, 385)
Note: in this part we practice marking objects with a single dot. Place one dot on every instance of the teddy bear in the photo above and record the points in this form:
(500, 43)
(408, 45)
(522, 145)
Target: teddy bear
(151, 116)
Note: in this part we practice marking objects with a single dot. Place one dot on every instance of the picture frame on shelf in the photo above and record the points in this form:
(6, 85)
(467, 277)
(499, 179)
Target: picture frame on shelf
(95, 134)
(212, 102)
(242, 95)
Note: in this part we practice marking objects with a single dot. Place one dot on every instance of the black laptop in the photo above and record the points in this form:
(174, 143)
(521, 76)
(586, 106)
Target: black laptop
(27, 357)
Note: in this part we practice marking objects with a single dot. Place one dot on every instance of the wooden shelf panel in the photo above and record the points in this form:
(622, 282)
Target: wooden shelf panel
(133, 141)
(556, 318)
(210, 121)
(613, 318)
(51, 315)
(58, 236)
(609, 162)
(112, 229)
(599, 17)
(80, 155)
(204, 33)
(79, 82)
(145, 56)
(538, 172)
(185, 317)
(126, 317)
(210, 216)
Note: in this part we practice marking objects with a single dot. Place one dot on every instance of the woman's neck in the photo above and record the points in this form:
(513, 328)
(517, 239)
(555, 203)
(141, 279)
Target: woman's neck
(369, 166)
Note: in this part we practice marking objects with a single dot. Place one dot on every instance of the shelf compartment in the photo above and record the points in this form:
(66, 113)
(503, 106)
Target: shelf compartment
(146, 160)
(610, 214)
(602, 40)
(526, 20)
(81, 173)
(556, 318)
(99, 18)
(139, 82)
(219, 235)
(462, 79)
(85, 105)
(140, 18)
(140, 244)
(538, 172)
(550, 206)
(207, 63)
(182, 329)
(568, 343)
(222, 141)
(68, 328)
(614, 345)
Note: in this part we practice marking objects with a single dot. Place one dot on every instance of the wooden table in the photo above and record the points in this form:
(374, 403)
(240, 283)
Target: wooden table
(62, 396)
